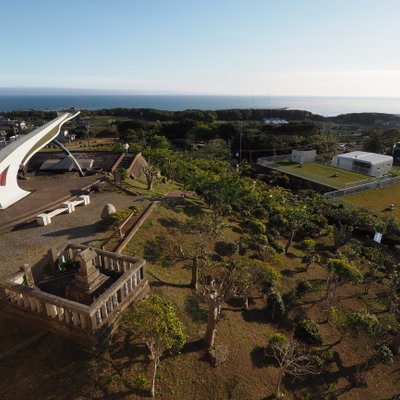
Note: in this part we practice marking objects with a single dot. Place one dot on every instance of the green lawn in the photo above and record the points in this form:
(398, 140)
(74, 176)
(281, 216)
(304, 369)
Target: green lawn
(323, 174)
(378, 200)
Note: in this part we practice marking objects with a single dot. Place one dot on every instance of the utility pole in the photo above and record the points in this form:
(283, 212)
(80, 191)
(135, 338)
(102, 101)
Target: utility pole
(240, 142)
(88, 135)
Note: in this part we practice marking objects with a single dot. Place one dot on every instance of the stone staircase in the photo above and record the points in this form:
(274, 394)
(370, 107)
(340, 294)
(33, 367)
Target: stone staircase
(126, 161)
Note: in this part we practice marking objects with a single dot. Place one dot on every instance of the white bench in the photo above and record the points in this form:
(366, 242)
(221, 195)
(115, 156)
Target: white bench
(84, 200)
(68, 207)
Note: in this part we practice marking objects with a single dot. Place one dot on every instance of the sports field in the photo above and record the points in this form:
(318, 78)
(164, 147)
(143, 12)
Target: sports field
(378, 200)
(327, 175)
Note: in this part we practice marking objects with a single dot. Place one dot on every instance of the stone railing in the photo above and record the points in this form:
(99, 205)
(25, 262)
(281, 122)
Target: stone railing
(106, 260)
(46, 305)
(79, 319)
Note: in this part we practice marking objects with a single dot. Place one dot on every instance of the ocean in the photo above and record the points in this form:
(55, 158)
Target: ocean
(326, 106)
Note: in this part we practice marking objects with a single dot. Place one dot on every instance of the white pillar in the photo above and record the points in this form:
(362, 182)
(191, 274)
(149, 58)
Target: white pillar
(75, 318)
(82, 318)
(39, 307)
(60, 312)
(67, 314)
(99, 318)
(32, 303)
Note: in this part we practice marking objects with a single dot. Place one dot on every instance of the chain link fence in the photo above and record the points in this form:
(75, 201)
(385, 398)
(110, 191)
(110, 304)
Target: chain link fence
(379, 183)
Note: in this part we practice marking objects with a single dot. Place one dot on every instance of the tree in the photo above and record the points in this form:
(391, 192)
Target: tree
(150, 172)
(375, 143)
(155, 322)
(276, 306)
(251, 274)
(294, 218)
(200, 132)
(354, 322)
(216, 288)
(236, 277)
(310, 258)
(164, 159)
(292, 359)
(340, 272)
(159, 142)
(222, 188)
(202, 230)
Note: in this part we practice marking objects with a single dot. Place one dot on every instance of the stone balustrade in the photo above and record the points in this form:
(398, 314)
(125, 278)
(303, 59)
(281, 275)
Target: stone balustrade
(46, 305)
(87, 319)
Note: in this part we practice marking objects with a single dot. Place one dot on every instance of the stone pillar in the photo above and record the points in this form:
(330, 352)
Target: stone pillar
(28, 276)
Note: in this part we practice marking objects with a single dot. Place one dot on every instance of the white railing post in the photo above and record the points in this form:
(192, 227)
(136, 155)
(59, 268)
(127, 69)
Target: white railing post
(75, 318)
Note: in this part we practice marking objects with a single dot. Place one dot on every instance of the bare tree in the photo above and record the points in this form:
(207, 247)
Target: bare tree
(394, 292)
(292, 359)
(216, 289)
(150, 172)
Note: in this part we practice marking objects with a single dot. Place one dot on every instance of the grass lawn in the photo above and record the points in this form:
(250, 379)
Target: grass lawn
(160, 189)
(378, 200)
(323, 174)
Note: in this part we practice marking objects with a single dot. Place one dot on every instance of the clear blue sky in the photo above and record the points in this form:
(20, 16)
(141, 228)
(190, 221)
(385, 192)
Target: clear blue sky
(256, 47)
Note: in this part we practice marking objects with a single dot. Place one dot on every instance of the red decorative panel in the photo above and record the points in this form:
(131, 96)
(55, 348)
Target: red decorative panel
(3, 176)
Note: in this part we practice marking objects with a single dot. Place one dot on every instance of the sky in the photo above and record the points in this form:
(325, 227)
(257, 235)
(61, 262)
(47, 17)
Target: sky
(234, 47)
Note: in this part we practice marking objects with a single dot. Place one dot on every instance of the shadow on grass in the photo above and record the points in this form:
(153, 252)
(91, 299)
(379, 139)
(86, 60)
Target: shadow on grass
(289, 272)
(196, 308)
(256, 315)
(258, 357)
(194, 347)
(289, 254)
(170, 223)
(159, 282)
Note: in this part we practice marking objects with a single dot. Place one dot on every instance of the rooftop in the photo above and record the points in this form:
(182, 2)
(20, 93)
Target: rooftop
(364, 156)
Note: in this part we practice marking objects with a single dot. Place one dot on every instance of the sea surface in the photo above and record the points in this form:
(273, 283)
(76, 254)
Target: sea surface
(327, 106)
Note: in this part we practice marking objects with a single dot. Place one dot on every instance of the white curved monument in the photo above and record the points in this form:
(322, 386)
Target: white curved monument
(20, 152)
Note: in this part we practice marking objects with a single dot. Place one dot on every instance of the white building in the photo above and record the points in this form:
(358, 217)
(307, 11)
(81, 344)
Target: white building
(275, 121)
(303, 156)
(371, 164)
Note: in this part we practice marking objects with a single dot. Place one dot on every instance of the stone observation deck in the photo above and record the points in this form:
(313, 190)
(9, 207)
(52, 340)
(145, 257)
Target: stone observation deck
(103, 285)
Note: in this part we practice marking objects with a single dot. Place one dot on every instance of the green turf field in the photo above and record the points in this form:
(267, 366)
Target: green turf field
(323, 174)
(378, 200)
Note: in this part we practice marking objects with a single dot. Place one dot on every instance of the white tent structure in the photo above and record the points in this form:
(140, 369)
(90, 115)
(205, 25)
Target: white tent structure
(371, 164)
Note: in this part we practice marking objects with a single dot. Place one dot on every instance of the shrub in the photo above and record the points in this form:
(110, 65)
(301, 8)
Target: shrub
(307, 331)
(308, 244)
(344, 270)
(383, 354)
(277, 339)
(274, 244)
(276, 306)
(69, 265)
(227, 249)
(260, 212)
(365, 320)
(303, 286)
(351, 323)
(123, 172)
(394, 172)
(120, 216)
(262, 239)
(265, 275)
(256, 226)
(140, 381)
(273, 232)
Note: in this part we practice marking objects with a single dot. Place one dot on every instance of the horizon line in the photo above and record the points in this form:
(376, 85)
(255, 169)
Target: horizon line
(26, 91)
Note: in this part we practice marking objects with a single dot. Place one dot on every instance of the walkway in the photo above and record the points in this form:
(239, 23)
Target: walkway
(47, 192)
